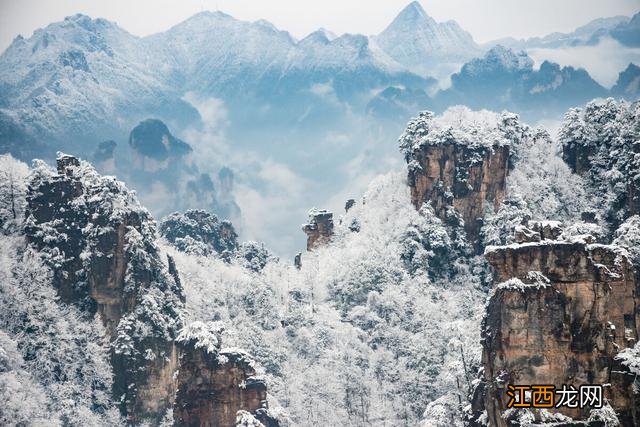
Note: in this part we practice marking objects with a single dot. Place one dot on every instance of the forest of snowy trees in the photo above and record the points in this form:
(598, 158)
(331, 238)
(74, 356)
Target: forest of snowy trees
(379, 327)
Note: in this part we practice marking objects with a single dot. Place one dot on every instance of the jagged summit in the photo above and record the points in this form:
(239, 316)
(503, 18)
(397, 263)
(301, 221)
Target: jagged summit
(417, 41)
(321, 35)
(89, 22)
(502, 58)
(413, 12)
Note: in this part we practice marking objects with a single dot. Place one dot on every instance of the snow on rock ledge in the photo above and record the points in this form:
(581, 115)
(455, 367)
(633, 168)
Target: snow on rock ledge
(460, 160)
(559, 314)
(319, 230)
(215, 384)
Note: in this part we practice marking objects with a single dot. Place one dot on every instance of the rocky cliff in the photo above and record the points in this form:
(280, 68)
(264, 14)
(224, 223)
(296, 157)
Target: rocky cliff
(319, 229)
(559, 313)
(100, 243)
(456, 164)
(215, 383)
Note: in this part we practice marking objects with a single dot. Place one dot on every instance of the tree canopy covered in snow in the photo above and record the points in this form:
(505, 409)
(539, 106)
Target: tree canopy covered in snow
(380, 325)
(602, 142)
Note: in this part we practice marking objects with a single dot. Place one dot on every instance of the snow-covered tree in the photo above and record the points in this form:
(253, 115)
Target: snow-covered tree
(602, 142)
(63, 351)
(545, 182)
(13, 189)
(628, 236)
(199, 232)
(498, 227)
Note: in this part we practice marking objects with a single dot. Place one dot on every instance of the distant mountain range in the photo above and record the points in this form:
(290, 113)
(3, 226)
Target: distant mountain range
(624, 29)
(326, 107)
(85, 80)
(506, 79)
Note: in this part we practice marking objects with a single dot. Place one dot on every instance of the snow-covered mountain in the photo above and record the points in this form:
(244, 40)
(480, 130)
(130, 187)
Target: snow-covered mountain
(216, 55)
(85, 77)
(504, 78)
(89, 79)
(417, 41)
(616, 27)
(322, 106)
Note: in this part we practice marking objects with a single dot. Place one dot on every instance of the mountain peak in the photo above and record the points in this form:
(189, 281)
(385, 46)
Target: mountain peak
(508, 58)
(412, 13)
(206, 17)
(318, 36)
(88, 23)
(414, 7)
(417, 41)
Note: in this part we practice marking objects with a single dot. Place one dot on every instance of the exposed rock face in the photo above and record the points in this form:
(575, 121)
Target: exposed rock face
(154, 145)
(449, 177)
(214, 383)
(463, 168)
(349, 204)
(101, 246)
(559, 314)
(319, 230)
(297, 260)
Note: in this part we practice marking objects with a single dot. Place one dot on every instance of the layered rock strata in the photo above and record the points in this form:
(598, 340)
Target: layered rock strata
(455, 164)
(214, 383)
(100, 244)
(559, 314)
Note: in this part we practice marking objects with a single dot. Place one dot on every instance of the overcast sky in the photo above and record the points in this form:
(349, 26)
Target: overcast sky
(484, 19)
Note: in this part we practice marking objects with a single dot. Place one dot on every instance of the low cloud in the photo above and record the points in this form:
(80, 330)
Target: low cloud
(208, 138)
(275, 193)
(273, 206)
(603, 61)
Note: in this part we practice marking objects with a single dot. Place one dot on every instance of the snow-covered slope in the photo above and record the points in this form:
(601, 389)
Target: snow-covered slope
(213, 52)
(588, 34)
(86, 78)
(83, 77)
(419, 42)
(504, 78)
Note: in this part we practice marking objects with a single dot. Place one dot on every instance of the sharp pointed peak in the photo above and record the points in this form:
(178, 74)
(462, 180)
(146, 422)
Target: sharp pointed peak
(413, 9)
(328, 34)
(412, 15)
(415, 5)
